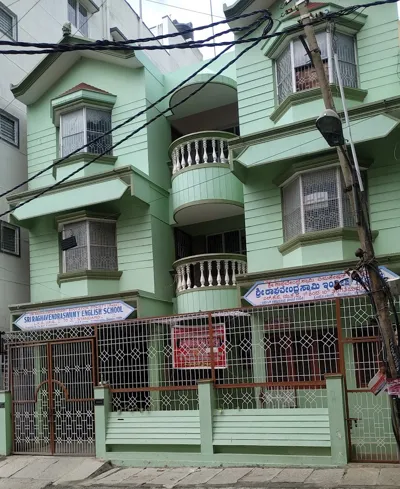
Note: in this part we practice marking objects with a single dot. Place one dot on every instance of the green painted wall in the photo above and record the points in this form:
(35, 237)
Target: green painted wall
(205, 182)
(129, 87)
(377, 58)
(207, 300)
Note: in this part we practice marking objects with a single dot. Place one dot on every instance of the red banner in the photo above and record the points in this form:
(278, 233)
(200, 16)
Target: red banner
(191, 347)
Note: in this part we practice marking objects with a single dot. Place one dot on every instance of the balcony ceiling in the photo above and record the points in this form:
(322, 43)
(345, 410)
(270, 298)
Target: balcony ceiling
(206, 211)
(221, 91)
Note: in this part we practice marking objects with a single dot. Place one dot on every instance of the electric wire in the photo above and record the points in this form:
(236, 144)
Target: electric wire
(127, 44)
(258, 23)
(130, 119)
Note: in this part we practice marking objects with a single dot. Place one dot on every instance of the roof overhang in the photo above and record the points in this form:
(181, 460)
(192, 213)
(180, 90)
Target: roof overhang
(55, 65)
(369, 122)
(221, 91)
(241, 7)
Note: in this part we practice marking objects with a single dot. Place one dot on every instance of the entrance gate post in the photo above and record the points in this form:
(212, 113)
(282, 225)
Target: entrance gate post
(102, 408)
(5, 423)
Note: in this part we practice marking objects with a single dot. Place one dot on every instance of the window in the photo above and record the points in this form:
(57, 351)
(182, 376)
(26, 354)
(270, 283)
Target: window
(294, 72)
(10, 239)
(78, 16)
(9, 128)
(229, 242)
(83, 126)
(96, 246)
(8, 22)
(315, 201)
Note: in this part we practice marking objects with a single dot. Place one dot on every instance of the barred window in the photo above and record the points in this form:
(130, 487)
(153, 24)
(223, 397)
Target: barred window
(228, 242)
(315, 201)
(9, 128)
(96, 246)
(294, 72)
(78, 16)
(8, 22)
(82, 127)
(10, 239)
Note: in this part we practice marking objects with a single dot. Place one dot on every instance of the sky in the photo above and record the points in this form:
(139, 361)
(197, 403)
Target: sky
(197, 12)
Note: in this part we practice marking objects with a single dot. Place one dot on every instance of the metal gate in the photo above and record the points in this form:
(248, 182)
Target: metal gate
(52, 397)
(370, 432)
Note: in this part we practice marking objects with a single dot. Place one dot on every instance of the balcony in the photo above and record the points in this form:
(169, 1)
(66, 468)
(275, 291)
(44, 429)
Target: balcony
(203, 187)
(208, 282)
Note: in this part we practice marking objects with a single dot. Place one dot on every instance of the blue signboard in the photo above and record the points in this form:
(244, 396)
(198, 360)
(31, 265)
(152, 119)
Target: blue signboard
(61, 317)
(306, 288)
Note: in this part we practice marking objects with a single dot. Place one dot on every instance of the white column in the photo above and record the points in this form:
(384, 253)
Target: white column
(222, 151)
(202, 279)
(226, 265)
(214, 153)
(197, 156)
(188, 281)
(183, 161)
(205, 155)
(234, 272)
(210, 277)
(218, 272)
(189, 159)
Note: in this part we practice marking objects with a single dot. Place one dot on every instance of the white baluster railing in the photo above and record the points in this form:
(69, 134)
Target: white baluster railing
(210, 270)
(199, 150)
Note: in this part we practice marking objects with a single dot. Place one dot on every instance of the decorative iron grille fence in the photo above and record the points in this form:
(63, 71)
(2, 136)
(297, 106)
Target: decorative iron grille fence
(265, 357)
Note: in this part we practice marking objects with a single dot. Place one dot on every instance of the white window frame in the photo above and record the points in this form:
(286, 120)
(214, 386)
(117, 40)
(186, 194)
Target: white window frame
(15, 140)
(79, 4)
(85, 139)
(87, 221)
(241, 232)
(14, 19)
(290, 46)
(17, 230)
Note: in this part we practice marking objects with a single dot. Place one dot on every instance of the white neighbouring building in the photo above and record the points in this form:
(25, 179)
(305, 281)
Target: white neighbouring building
(32, 21)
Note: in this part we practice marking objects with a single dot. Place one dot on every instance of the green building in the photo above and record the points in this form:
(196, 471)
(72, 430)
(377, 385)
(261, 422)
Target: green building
(180, 222)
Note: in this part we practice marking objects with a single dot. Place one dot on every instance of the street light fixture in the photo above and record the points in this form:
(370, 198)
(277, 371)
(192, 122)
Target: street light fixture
(330, 126)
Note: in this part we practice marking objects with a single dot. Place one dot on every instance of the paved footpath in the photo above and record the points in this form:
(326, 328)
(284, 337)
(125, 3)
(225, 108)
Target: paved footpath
(22, 472)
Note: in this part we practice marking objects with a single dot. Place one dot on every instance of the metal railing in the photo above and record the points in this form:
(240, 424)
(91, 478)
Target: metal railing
(199, 148)
(208, 270)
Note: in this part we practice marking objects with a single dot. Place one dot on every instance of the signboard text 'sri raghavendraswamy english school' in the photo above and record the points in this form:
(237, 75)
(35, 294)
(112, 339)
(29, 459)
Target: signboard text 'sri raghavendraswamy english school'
(61, 317)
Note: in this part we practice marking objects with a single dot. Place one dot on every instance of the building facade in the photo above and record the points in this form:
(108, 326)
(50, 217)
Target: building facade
(226, 200)
(24, 21)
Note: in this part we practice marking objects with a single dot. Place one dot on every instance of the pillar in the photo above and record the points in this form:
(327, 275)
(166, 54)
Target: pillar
(102, 409)
(337, 419)
(5, 423)
(206, 410)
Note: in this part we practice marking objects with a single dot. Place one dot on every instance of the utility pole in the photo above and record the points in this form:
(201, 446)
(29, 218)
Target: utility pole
(358, 204)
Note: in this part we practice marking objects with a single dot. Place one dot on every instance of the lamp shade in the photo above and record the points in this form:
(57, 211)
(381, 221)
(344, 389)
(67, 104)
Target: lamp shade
(330, 126)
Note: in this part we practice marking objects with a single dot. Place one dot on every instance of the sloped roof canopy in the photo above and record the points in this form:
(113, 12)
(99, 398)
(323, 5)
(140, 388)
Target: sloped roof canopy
(55, 65)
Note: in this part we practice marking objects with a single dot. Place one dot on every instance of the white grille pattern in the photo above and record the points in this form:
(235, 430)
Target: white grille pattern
(83, 126)
(295, 73)
(315, 201)
(8, 128)
(96, 246)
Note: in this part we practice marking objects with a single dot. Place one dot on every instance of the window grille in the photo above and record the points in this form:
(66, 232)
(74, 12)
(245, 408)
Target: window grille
(83, 126)
(294, 72)
(10, 239)
(96, 246)
(9, 128)
(315, 201)
(8, 22)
